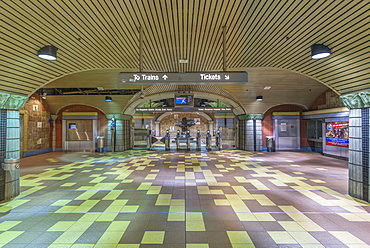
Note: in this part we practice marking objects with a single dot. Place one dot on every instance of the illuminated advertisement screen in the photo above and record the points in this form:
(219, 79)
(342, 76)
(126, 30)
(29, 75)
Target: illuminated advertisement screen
(337, 134)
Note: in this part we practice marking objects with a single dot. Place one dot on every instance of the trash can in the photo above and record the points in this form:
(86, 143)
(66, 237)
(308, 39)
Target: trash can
(270, 143)
(100, 143)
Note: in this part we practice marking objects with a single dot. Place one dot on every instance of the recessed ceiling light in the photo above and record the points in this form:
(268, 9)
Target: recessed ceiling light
(267, 87)
(183, 61)
(100, 88)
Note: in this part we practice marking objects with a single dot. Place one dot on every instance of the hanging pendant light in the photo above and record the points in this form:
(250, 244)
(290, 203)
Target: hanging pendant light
(48, 52)
(319, 51)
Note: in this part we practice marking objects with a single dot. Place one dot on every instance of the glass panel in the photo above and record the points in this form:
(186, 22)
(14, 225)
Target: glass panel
(319, 129)
(79, 130)
(311, 130)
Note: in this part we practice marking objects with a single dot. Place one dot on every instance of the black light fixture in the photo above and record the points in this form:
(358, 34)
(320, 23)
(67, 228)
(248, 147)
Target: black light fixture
(108, 99)
(259, 98)
(319, 51)
(48, 52)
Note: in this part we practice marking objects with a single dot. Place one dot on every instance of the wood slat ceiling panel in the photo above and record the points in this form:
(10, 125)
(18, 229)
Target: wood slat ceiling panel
(94, 35)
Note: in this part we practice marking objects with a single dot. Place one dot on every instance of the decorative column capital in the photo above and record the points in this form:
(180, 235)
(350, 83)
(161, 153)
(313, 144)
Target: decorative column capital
(250, 117)
(356, 100)
(10, 101)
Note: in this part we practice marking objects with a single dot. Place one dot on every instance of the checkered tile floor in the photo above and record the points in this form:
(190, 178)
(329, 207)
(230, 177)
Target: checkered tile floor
(192, 199)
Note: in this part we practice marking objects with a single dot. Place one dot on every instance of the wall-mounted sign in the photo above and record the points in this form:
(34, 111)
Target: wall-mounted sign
(337, 134)
(185, 109)
(150, 78)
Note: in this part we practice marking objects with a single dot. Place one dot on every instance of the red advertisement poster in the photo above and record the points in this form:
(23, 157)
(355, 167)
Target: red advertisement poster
(337, 134)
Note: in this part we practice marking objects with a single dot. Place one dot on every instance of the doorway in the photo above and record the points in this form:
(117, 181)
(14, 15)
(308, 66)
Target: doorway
(286, 132)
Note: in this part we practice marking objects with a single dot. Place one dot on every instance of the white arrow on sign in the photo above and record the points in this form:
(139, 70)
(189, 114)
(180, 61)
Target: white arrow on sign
(164, 77)
(227, 77)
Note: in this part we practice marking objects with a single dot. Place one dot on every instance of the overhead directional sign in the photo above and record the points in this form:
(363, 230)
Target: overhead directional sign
(150, 78)
(185, 109)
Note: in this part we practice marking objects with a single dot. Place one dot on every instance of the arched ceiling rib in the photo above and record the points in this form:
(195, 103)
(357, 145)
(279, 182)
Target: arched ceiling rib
(99, 34)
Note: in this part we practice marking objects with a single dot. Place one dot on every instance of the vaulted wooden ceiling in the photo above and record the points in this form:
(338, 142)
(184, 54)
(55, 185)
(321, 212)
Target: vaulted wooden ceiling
(269, 39)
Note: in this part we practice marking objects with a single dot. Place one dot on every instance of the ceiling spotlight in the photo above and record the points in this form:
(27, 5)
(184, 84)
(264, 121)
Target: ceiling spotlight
(48, 52)
(259, 98)
(267, 87)
(108, 99)
(319, 51)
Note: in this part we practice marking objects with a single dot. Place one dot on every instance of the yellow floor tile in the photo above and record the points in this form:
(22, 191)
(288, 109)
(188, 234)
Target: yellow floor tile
(68, 238)
(110, 238)
(118, 226)
(6, 225)
(239, 237)
(347, 238)
(197, 245)
(281, 237)
(80, 226)
(264, 217)
(107, 217)
(8, 236)
(304, 238)
(163, 200)
(61, 226)
(310, 226)
(153, 237)
(291, 226)
(129, 209)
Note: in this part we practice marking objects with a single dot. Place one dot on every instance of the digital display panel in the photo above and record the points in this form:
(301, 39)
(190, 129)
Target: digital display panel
(184, 100)
(72, 126)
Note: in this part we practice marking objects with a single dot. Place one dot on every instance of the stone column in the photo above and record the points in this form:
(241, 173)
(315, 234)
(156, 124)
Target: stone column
(250, 132)
(157, 128)
(359, 137)
(54, 117)
(10, 144)
(210, 127)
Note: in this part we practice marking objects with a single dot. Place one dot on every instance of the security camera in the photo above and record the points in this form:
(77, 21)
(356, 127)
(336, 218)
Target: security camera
(142, 95)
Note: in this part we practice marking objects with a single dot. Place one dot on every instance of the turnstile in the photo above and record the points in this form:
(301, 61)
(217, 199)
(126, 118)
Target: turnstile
(199, 141)
(208, 141)
(219, 140)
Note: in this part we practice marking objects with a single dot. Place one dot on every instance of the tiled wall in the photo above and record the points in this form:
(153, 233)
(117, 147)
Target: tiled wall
(3, 123)
(13, 142)
(358, 161)
(123, 136)
(328, 99)
(9, 146)
(38, 126)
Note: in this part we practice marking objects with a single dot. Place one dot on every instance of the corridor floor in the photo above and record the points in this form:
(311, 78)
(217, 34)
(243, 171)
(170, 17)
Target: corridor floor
(192, 199)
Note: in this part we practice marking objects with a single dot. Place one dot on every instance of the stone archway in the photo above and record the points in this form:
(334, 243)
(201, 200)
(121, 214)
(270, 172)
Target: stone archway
(206, 121)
